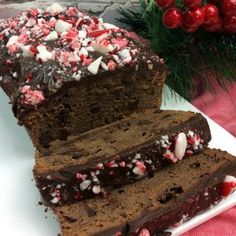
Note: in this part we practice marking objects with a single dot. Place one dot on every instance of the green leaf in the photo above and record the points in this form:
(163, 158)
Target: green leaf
(200, 54)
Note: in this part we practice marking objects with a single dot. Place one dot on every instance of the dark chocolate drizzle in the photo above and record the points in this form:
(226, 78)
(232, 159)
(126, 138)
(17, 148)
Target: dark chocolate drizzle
(64, 186)
(45, 75)
(204, 194)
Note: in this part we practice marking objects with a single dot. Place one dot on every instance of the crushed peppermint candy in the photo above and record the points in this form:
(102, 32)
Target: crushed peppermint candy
(85, 184)
(144, 232)
(55, 9)
(140, 168)
(13, 45)
(131, 166)
(180, 146)
(51, 36)
(228, 186)
(94, 66)
(55, 200)
(96, 189)
(31, 97)
(26, 51)
(62, 26)
(183, 220)
(43, 54)
(194, 140)
(183, 144)
(79, 44)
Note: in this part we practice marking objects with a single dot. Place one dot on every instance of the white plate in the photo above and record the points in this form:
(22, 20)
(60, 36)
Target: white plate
(20, 214)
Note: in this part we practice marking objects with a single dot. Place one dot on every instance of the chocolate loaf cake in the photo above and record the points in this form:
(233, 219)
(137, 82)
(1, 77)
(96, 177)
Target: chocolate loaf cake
(150, 206)
(66, 72)
(114, 155)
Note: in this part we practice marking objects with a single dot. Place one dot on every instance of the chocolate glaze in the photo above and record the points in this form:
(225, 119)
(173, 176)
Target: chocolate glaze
(189, 205)
(64, 185)
(44, 75)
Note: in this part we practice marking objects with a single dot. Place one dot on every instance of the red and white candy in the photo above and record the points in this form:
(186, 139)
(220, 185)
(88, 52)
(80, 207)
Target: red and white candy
(228, 186)
(55, 9)
(94, 66)
(144, 232)
(180, 146)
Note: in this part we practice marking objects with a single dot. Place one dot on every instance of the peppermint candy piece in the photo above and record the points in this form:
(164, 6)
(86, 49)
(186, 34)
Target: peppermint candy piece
(228, 186)
(26, 51)
(13, 39)
(62, 26)
(144, 232)
(43, 54)
(109, 26)
(85, 184)
(55, 9)
(52, 36)
(180, 146)
(96, 189)
(103, 47)
(94, 66)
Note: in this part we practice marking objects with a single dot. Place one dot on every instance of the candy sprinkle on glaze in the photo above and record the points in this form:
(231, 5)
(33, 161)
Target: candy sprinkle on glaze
(228, 186)
(144, 232)
(67, 44)
(131, 167)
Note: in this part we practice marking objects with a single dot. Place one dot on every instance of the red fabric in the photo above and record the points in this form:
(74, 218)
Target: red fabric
(221, 107)
(222, 225)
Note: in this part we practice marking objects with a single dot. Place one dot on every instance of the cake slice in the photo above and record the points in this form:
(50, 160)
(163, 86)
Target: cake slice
(150, 206)
(66, 72)
(115, 155)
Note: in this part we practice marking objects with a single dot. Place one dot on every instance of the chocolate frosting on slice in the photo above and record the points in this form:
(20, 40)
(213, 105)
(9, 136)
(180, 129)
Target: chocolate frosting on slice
(204, 195)
(79, 182)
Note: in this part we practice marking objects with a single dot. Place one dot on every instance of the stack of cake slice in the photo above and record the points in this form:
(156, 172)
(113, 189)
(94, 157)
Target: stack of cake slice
(108, 161)
(150, 206)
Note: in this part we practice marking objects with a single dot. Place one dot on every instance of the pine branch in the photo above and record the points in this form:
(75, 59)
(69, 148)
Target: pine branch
(187, 55)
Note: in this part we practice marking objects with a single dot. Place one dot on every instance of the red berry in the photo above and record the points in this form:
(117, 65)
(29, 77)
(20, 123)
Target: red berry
(229, 24)
(211, 13)
(172, 18)
(228, 7)
(192, 3)
(215, 26)
(227, 188)
(189, 29)
(165, 3)
(194, 18)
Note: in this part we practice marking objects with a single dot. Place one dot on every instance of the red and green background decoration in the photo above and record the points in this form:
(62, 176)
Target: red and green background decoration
(196, 38)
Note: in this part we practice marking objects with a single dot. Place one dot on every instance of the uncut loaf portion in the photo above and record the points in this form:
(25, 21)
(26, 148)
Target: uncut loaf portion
(150, 206)
(98, 161)
(66, 72)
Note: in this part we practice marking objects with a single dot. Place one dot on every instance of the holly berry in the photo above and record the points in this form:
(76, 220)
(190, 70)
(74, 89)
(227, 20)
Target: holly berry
(228, 7)
(189, 29)
(172, 18)
(165, 3)
(211, 14)
(215, 26)
(194, 18)
(192, 3)
(229, 24)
